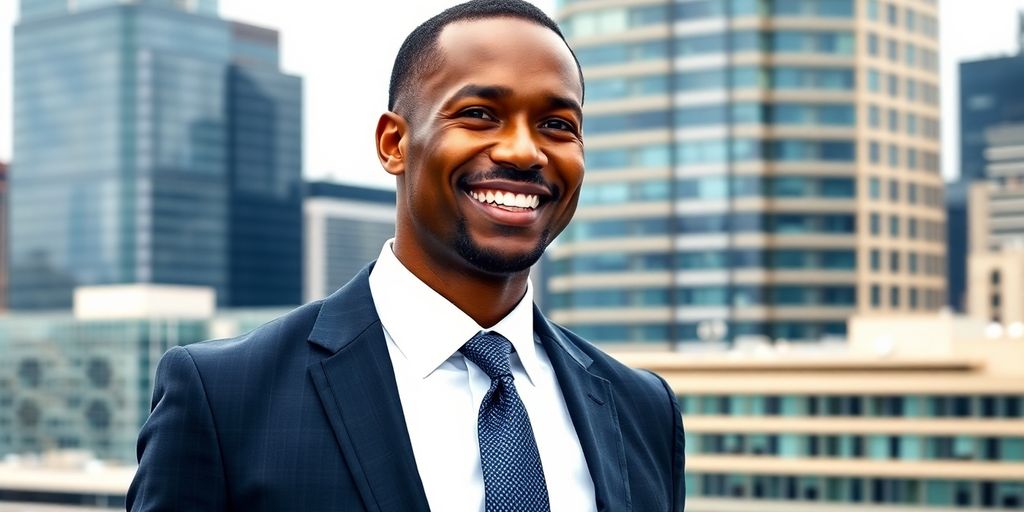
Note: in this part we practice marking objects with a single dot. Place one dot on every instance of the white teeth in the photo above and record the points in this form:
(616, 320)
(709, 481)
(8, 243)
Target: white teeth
(507, 198)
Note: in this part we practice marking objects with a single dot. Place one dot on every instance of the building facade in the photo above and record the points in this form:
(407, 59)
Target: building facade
(345, 228)
(180, 153)
(767, 167)
(912, 414)
(83, 381)
(3, 235)
(990, 95)
(996, 213)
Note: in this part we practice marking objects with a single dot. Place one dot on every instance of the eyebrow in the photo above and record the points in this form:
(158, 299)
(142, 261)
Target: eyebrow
(497, 92)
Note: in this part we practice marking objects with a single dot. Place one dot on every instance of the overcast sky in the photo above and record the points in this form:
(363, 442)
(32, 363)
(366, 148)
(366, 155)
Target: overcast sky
(344, 52)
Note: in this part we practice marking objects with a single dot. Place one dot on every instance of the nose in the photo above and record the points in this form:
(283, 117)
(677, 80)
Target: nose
(518, 148)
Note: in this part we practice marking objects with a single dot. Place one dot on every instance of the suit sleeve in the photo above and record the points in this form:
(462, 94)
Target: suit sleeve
(180, 464)
(678, 450)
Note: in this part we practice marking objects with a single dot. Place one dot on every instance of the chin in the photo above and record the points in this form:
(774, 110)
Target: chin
(496, 261)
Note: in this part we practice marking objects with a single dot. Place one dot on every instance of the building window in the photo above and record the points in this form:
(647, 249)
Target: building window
(894, 191)
(875, 151)
(874, 80)
(876, 296)
(911, 89)
(912, 263)
(912, 299)
(894, 155)
(892, 15)
(894, 120)
(894, 226)
(873, 10)
(912, 228)
(876, 224)
(893, 85)
(911, 159)
(893, 50)
(894, 297)
(994, 278)
(894, 261)
(910, 53)
(876, 259)
(874, 116)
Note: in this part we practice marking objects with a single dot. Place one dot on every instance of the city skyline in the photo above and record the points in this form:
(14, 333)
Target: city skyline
(339, 127)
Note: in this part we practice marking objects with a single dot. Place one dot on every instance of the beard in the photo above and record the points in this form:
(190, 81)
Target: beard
(496, 262)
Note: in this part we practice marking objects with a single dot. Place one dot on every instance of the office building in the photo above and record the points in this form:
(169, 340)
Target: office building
(754, 168)
(990, 95)
(996, 263)
(83, 379)
(180, 153)
(3, 235)
(914, 413)
(345, 228)
(957, 236)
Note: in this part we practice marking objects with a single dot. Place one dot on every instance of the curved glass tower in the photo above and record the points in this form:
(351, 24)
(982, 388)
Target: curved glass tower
(754, 168)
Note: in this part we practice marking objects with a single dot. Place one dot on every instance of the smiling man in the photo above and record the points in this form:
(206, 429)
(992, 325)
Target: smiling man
(430, 381)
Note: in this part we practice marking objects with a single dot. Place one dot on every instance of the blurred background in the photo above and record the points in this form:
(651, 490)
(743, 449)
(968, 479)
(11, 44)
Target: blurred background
(808, 215)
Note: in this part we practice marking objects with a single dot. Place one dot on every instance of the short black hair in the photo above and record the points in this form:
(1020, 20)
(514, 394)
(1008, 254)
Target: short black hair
(418, 53)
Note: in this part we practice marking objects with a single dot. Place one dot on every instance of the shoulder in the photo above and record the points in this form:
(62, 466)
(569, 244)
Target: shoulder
(622, 378)
(268, 341)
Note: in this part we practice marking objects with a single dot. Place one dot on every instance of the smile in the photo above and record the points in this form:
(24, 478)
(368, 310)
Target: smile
(506, 200)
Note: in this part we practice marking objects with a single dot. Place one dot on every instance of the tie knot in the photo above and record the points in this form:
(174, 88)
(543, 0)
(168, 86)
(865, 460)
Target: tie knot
(489, 351)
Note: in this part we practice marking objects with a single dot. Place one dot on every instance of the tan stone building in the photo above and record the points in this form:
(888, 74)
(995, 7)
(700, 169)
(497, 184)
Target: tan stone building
(772, 167)
(922, 413)
(995, 276)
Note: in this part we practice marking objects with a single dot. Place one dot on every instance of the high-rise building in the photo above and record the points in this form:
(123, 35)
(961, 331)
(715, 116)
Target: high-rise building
(922, 413)
(346, 226)
(753, 168)
(154, 143)
(957, 234)
(3, 236)
(991, 93)
(996, 213)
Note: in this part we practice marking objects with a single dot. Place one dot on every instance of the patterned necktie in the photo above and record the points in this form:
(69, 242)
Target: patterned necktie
(513, 476)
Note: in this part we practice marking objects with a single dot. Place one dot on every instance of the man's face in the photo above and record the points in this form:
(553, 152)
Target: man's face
(494, 160)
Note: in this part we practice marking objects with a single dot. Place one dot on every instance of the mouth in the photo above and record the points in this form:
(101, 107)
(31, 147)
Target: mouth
(509, 203)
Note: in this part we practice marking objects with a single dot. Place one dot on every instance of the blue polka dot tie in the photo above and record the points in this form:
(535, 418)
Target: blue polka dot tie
(513, 476)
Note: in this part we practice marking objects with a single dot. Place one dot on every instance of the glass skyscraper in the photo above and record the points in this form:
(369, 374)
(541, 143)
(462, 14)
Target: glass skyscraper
(154, 142)
(991, 94)
(754, 168)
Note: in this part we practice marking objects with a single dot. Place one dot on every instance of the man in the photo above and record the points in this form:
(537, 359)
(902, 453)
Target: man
(430, 381)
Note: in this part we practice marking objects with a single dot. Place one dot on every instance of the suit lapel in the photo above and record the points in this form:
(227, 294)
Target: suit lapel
(589, 400)
(357, 388)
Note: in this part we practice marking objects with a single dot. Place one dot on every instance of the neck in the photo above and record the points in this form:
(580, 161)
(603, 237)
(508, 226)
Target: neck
(484, 297)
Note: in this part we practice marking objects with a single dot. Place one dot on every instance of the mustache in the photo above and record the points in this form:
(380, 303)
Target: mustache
(509, 174)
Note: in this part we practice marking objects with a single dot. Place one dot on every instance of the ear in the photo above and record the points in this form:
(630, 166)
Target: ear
(392, 142)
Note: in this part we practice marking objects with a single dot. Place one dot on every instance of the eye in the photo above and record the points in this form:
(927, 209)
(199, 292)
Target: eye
(558, 124)
(477, 113)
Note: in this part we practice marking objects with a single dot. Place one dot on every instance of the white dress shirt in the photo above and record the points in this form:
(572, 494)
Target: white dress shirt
(441, 392)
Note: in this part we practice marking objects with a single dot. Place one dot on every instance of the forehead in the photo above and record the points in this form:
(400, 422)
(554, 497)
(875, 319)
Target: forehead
(519, 54)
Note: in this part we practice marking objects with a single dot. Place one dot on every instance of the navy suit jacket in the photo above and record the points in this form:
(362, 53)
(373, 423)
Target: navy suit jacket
(303, 414)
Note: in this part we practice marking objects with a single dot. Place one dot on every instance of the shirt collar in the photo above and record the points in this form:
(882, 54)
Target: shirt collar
(428, 329)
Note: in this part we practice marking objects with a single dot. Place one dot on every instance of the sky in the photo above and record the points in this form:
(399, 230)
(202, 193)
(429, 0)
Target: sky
(344, 52)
